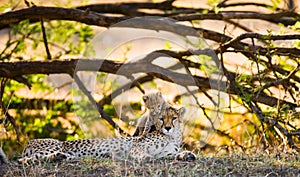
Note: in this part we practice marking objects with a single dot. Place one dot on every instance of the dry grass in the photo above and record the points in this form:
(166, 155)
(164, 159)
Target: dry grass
(236, 165)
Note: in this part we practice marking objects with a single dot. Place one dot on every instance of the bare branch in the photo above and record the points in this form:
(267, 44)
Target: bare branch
(92, 18)
(279, 81)
(275, 123)
(5, 109)
(20, 68)
(130, 9)
(286, 18)
(45, 40)
(107, 99)
(57, 13)
(224, 5)
(99, 109)
(262, 37)
(256, 109)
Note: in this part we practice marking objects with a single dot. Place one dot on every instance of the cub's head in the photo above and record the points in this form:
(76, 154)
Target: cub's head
(169, 121)
(154, 102)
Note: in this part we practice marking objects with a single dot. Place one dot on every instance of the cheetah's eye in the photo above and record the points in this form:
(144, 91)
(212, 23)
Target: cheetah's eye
(161, 120)
(158, 106)
(173, 119)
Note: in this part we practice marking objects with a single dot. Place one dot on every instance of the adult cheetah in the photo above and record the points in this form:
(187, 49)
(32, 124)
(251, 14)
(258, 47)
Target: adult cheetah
(164, 142)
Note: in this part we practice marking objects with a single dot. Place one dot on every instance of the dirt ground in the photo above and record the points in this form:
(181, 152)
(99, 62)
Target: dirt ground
(237, 165)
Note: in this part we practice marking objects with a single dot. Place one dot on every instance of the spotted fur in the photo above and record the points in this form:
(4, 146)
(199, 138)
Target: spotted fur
(155, 104)
(165, 142)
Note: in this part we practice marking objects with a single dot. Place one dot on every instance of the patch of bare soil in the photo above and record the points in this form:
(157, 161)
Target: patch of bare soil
(260, 165)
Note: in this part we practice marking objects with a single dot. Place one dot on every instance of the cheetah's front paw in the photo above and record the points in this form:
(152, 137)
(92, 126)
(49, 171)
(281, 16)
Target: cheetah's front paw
(186, 156)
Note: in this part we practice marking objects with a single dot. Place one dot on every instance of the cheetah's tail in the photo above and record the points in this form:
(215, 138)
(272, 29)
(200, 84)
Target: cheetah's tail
(3, 159)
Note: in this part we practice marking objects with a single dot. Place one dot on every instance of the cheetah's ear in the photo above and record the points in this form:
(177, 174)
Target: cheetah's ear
(159, 94)
(145, 98)
(181, 112)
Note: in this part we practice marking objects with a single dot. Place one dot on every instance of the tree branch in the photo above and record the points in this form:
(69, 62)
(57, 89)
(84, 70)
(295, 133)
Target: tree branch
(130, 9)
(45, 40)
(5, 112)
(224, 5)
(262, 37)
(57, 13)
(255, 108)
(286, 18)
(103, 114)
(93, 18)
(20, 68)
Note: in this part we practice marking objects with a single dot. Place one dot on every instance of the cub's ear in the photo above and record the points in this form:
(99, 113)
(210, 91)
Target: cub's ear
(159, 94)
(145, 98)
(181, 112)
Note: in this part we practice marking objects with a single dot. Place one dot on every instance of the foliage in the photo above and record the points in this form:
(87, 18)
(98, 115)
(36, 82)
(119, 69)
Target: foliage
(40, 118)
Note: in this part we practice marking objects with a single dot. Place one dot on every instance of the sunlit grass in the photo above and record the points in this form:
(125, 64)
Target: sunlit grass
(280, 164)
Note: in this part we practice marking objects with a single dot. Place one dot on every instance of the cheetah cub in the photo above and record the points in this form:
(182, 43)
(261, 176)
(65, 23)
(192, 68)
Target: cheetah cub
(155, 104)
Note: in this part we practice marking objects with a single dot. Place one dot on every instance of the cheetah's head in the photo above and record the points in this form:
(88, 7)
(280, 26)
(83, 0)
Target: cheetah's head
(169, 121)
(154, 102)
